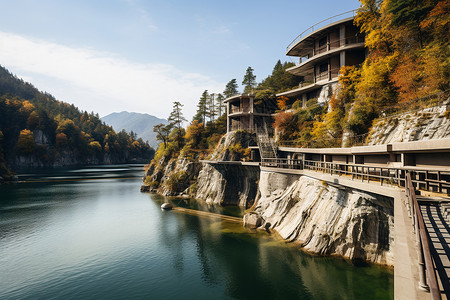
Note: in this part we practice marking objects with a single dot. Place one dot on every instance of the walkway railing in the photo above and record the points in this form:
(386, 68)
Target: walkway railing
(425, 179)
(426, 267)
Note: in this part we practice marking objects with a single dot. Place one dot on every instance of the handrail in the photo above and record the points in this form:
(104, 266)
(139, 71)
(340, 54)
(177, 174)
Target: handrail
(423, 243)
(381, 174)
(311, 28)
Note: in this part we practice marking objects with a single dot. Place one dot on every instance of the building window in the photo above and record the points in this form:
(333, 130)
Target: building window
(323, 68)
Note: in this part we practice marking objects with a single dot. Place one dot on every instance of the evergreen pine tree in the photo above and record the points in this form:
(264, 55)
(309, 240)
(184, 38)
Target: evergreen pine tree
(220, 105)
(212, 108)
(249, 81)
(176, 117)
(202, 108)
(231, 88)
(176, 120)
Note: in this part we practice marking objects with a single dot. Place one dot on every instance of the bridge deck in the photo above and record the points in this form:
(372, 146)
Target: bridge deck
(439, 230)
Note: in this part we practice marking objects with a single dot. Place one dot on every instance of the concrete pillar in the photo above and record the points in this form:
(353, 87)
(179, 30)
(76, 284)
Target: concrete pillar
(228, 117)
(342, 59)
(342, 35)
(329, 69)
(314, 80)
(342, 44)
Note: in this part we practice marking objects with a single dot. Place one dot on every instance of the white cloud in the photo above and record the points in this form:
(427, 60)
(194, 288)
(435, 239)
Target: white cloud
(102, 81)
(222, 29)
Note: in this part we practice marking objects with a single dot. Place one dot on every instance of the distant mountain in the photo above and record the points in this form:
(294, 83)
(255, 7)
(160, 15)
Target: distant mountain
(141, 124)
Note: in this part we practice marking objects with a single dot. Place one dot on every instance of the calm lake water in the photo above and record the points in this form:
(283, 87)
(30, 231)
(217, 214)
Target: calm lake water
(90, 234)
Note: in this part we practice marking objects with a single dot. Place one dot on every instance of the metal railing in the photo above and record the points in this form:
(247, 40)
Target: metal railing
(328, 74)
(321, 24)
(429, 180)
(239, 110)
(284, 163)
(383, 175)
(427, 274)
(338, 43)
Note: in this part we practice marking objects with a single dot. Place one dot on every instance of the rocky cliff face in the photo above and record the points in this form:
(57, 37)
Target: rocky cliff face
(426, 124)
(325, 219)
(227, 184)
(327, 91)
(213, 183)
(171, 177)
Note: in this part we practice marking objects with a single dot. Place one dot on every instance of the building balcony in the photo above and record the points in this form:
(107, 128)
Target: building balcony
(322, 53)
(256, 112)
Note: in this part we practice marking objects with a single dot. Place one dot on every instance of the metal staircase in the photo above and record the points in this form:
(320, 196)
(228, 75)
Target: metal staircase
(267, 147)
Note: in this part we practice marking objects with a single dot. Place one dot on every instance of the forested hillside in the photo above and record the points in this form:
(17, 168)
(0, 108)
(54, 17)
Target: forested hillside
(38, 130)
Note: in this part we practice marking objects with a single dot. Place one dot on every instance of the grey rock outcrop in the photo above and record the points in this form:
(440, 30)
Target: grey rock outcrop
(426, 124)
(173, 176)
(325, 219)
(326, 92)
(40, 138)
(222, 151)
(228, 184)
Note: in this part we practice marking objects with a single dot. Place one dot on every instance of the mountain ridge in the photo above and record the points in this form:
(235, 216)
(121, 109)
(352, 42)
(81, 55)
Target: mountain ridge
(140, 123)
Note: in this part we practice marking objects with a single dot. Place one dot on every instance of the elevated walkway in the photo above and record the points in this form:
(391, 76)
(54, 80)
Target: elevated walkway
(438, 228)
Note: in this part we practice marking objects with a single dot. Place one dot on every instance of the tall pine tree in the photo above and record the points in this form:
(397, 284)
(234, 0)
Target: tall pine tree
(176, 117)
(231, 88)
(249, 81)
(176, 120)
(212, 108)
(220, 105)
(202, 108)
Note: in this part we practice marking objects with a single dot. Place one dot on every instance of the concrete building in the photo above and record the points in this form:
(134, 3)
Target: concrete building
(244, 114)
(322, 50)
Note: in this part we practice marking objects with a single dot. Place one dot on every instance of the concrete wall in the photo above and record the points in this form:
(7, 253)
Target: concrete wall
(334, 39)
(340, 159)
(432, 159)
(376, 159)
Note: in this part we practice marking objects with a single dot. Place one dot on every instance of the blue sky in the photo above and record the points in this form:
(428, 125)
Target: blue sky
(140, 55)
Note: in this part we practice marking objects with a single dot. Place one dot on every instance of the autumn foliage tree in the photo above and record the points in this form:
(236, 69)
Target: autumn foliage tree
(25, 143)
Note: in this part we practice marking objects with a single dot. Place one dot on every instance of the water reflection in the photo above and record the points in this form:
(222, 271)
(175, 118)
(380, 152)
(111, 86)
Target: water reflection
(104, 239)
(246, 259)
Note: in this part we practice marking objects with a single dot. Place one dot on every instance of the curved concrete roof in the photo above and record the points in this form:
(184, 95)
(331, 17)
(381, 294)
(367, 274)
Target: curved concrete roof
(305, 41)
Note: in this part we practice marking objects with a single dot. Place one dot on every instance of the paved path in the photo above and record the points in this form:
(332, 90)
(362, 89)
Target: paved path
(439, 230)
